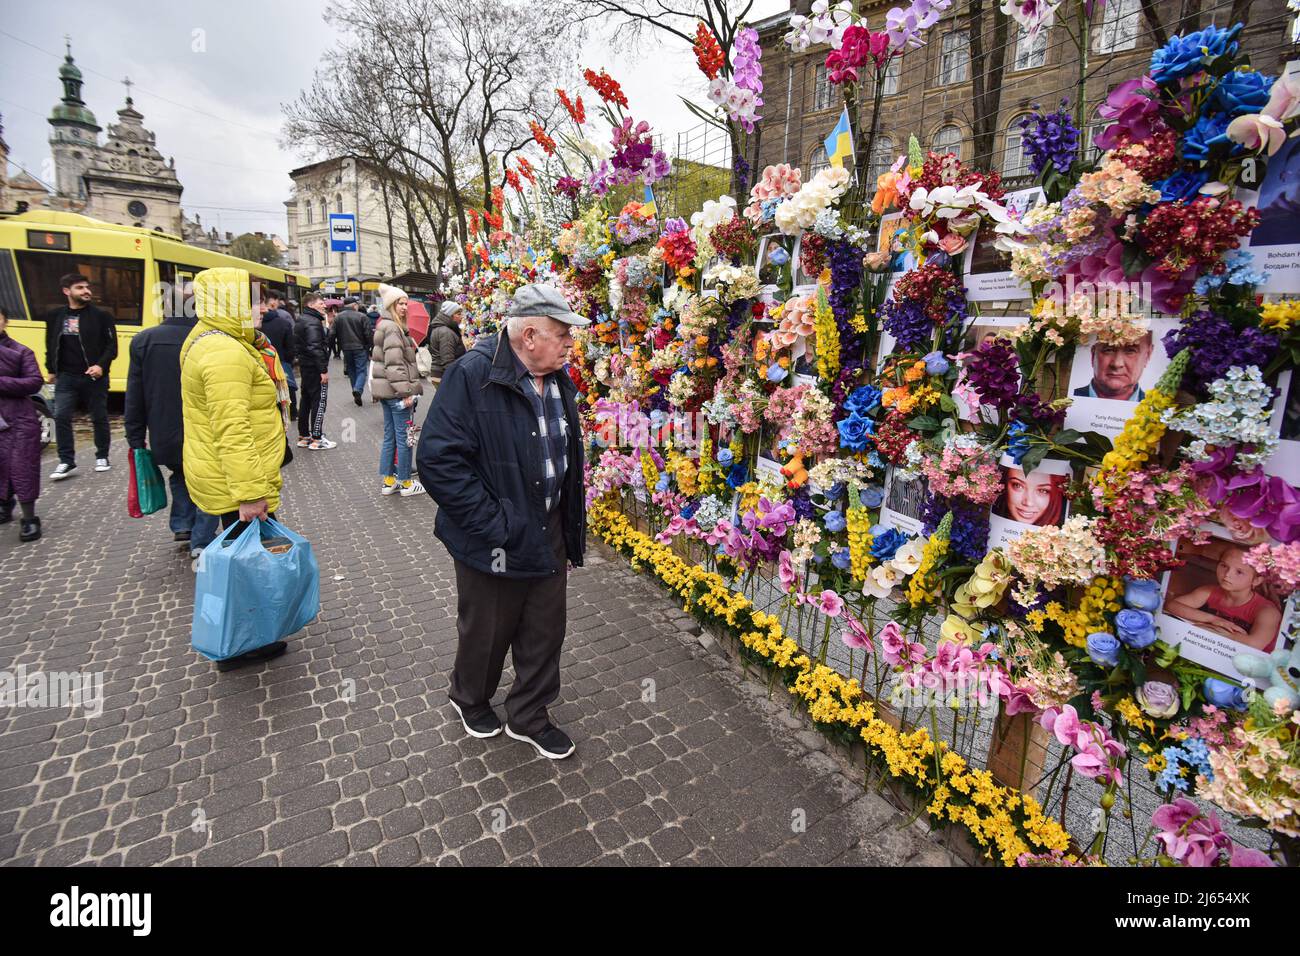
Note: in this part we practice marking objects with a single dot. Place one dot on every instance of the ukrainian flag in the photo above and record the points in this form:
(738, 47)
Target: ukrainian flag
(648, 205)
(840, 143)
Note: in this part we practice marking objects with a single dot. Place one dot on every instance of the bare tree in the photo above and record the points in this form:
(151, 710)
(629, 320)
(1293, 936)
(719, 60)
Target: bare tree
(988, 64)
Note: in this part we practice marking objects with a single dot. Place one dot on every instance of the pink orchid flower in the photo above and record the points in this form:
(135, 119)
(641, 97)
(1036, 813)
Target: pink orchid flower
(830, 603)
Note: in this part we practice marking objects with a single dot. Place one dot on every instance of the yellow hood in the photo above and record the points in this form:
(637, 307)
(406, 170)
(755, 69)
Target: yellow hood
(223, 300)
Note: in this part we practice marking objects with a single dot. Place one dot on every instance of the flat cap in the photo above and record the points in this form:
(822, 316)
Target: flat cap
(536, 299)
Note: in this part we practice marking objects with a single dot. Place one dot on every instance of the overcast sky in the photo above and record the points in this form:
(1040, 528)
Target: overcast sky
(210, 79)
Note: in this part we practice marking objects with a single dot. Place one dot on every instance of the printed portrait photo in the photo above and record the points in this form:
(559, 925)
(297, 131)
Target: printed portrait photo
(1106, 380)
(776, 257)
(906, 498)
(1036, 499)
(1217, 591)
(1117, 371)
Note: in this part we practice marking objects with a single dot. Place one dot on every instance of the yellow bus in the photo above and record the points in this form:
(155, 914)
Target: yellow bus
(131, 271)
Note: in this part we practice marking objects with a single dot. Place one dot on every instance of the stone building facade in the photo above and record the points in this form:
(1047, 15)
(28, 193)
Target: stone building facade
(344, 184)
(125, 179)
(928, 92)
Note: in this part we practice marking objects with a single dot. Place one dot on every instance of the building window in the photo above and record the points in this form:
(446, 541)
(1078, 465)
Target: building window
(311, 258)
(324, 211)
(954, 58)
(882, 157)
(338, 203)
(947, 140)
(1014, 160)
(818, 161)
(1091, 152)
(1119, 27)
(822, 90)
(1031, 52)
(892, 70)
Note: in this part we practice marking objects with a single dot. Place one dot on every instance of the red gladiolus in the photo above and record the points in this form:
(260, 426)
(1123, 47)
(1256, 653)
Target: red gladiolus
(540, 137)
(606, 86)
(575, 108)
(708, 53)
(526, 170)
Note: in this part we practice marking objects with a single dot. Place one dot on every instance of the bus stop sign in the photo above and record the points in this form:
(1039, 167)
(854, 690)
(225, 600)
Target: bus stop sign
(343, 232)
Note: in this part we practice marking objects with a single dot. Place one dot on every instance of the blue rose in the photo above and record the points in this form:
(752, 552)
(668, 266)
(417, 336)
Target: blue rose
(738, 475)
(855, 432)
(1222, 694)
(834, 521)
(778, 256)
(1242, 92)
(1182, 185)
(840, 558)
(689, 509)
(1137, 629)
(863, 400)
(775, 373)
(1141, 595)
(936, 363)
(1208, 132)
(1185, 55)
(1103, 648)
(725, 457)
(871, 496)
(886, 542)
(662, 483)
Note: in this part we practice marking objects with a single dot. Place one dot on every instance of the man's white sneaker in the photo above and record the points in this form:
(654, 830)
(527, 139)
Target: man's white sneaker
(63, 471)
(101, 464)
(322, 443)
(414, 488)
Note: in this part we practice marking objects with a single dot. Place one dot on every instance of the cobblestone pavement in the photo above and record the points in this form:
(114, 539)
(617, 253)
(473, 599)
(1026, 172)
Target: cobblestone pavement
(274, 765)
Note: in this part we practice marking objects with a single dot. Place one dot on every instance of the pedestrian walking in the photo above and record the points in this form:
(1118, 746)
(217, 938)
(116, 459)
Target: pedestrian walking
(154, 420)
(501, 454)
(234, 402)
(444, 343)
(352, 329)
(20, 434)
(331, 326)
(80, 345)
(395, 384)
(277, 326)
(312, 350)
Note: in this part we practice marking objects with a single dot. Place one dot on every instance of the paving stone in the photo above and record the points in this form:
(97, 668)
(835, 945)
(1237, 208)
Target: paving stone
(286, 771)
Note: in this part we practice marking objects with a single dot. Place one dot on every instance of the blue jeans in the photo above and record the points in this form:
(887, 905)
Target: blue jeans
(396, 419)
(186, 516)
(356, 363)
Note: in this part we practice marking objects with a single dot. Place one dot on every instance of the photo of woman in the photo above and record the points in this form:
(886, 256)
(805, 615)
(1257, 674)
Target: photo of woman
(1236, 603)
(1035, 499)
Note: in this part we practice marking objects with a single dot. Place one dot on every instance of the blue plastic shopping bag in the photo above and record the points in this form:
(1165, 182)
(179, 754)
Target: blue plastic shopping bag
(253, 589)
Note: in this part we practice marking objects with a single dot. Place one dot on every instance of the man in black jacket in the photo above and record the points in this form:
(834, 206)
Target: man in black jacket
(153, 420)
(352, 332)
(501, 454)
(312, 350)
(277, 326)
(80, 345)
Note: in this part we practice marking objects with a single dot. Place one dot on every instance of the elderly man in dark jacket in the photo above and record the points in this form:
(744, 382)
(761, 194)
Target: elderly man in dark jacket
(501, 454)
(153, 420)
(277, 326)
(311, 345)
(445, 343)
(352, 331)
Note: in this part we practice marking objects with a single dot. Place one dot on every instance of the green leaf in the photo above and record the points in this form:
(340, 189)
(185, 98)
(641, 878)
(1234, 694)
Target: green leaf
(1067, 436)
(1033, 458)
(946, 403)
(1097, 442)
(1134, 260)
(924, 423)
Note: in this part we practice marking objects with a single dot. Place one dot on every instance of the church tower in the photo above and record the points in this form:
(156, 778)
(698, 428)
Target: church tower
(74, 134)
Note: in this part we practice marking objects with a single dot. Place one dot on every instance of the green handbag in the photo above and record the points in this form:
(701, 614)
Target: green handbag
(149, 482)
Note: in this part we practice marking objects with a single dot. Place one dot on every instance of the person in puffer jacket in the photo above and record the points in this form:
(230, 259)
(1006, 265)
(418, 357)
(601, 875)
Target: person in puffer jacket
(234, 402)
(394, 383)
(445, 344)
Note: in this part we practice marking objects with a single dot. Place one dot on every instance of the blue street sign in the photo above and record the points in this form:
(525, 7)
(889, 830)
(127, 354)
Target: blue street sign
(343, 232)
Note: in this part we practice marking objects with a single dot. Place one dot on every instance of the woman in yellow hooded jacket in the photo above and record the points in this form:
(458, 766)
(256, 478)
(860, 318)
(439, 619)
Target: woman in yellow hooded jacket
(233, 397)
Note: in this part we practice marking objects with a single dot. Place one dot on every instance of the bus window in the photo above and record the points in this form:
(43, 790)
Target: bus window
(10, 296)
(174, 297)
(118, 284)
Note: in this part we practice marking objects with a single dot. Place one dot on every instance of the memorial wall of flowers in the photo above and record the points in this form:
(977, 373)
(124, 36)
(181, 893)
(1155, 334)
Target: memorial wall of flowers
(1083, 514)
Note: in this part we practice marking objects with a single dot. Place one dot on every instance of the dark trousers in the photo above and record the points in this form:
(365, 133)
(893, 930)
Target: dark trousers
(186, 515)
(69, 390)
(524, 615)
(311, 404)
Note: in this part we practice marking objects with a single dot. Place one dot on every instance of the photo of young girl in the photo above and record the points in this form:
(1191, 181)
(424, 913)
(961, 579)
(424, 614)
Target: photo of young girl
(1219, 592)
(1036, 499)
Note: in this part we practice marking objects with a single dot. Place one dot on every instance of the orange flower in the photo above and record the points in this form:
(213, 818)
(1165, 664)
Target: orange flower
(542, 140)
(708, 53)
(886, 192)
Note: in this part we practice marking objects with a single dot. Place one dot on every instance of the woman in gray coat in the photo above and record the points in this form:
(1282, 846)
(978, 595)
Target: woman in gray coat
(395, 383)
